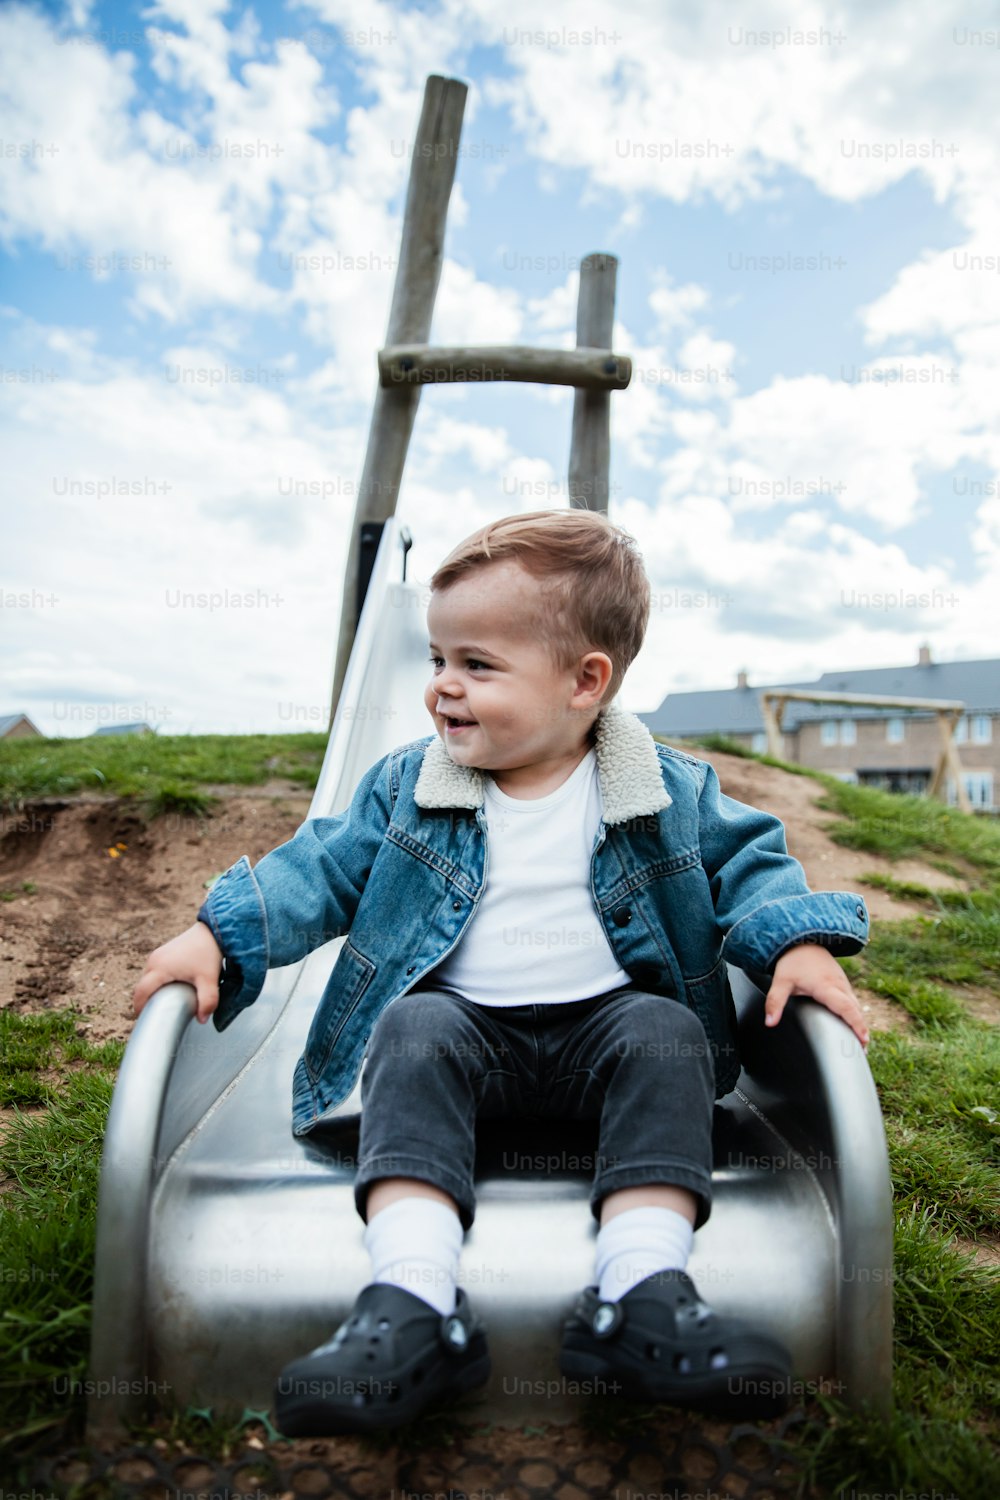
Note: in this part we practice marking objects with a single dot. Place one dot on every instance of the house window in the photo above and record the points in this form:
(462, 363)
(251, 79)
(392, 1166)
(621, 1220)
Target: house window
(961, 735)
(982, 729)
(838, 732)
(759, 744)
(895, 731)
(978, 786)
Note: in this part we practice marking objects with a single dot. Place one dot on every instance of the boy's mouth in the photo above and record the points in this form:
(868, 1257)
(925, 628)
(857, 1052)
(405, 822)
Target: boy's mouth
(453, 725)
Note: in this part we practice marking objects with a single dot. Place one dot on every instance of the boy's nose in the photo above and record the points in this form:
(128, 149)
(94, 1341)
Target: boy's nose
(444, 687)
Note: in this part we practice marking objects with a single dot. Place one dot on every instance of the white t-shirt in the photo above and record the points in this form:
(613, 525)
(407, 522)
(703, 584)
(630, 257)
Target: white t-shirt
(536, 938)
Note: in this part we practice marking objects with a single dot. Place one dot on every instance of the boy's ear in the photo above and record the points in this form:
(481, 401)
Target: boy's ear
(593, 675)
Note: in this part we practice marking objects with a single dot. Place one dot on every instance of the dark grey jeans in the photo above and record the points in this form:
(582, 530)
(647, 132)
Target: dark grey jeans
(638, 1063)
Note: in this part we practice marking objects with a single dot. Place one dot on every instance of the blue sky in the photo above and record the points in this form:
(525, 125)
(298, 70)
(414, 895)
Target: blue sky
(200, 209)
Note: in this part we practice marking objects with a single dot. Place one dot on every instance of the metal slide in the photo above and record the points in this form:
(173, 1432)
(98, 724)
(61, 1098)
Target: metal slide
(226, 1246)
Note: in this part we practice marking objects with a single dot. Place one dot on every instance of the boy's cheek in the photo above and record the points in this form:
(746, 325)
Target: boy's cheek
(430, 702)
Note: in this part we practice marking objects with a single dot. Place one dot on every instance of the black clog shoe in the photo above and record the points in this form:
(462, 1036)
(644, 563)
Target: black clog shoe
(391, 1358)
(661, 1342)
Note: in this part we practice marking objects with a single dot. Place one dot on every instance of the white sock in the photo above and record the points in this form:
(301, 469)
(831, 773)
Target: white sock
(638, 1243)
(415, 1244)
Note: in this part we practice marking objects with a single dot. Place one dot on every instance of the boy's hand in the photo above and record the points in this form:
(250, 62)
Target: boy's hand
(809, 969)
(192, 958)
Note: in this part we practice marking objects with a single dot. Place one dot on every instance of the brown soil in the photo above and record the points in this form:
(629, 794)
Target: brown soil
(82, 938)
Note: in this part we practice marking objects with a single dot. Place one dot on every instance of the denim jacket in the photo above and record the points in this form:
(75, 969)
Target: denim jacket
(684, 879)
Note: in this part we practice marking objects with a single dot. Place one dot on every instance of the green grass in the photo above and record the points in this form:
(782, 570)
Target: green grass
(910, 827)
(49, 1165)
(940, 1096)
(736, 747)
(912, 961)
(940, 898)
(941, 1436)
(164, 766)
(32, 1045)
(935, 1089)
(938, 1091)
(26, 888)
(183, 801)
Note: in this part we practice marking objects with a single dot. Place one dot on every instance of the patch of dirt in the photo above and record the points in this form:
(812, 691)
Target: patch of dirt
(981, 1003)
(110, 886)
(881, 1013)
(986, 1252)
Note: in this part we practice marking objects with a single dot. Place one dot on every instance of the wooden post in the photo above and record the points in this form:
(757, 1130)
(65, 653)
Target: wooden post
(948, 762)
(590, 448)
(432, 173)
(948, 711)
(773, 707)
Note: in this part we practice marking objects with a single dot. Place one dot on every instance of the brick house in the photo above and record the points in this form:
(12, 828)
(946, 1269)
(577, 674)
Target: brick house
(895, 750)
(18, 727)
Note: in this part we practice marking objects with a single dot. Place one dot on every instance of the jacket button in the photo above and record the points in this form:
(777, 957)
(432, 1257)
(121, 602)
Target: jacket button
(456, 906)
(412, 969)
(622, 917)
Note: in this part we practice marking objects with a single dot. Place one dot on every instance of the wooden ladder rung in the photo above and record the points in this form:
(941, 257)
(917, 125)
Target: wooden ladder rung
(429, 364)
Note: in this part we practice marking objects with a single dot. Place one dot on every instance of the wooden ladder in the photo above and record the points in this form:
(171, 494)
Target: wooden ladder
(408, 362)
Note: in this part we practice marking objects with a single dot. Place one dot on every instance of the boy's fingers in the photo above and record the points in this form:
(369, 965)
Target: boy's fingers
(777, 999)
(844, 1003)
(147, 986)
(208, 999)
(155, 979)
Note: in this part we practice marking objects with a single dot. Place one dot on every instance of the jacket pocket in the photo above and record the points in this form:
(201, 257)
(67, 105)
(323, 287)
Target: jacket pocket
(352, 974)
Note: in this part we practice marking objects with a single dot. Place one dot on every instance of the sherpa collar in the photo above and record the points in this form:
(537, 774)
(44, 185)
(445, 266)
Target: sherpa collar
(628, 769)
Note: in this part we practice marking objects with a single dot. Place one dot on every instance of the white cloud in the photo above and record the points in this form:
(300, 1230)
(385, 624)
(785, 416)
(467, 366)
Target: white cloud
(675, 306)
(116, 193)
(708, 100)
(470, 311)
(866, 443)
(487, 447)
(193, 539)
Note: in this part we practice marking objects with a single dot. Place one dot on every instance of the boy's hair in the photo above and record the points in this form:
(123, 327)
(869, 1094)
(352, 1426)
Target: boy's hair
(597, 592)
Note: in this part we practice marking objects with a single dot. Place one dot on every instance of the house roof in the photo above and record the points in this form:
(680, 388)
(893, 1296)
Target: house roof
(737, 710)
(8, 721)
(125, 729)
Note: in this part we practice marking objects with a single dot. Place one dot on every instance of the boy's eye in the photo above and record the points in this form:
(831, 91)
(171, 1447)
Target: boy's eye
(470, 661)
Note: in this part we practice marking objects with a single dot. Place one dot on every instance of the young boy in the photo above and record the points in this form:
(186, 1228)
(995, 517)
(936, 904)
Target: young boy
(540, 901)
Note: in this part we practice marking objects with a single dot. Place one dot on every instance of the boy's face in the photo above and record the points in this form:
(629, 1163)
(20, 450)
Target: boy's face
(488, 666)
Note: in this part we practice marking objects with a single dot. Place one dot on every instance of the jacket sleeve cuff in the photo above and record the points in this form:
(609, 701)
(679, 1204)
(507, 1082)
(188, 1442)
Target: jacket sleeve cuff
(837, 920)
(234, 911)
